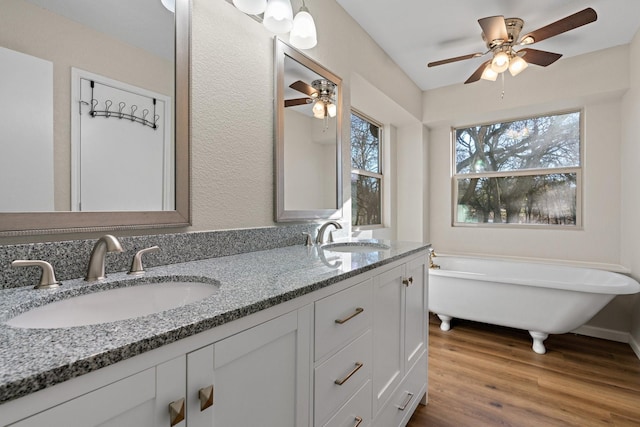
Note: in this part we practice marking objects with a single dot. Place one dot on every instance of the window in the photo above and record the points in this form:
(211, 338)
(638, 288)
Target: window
(366, 171)
(521, 172)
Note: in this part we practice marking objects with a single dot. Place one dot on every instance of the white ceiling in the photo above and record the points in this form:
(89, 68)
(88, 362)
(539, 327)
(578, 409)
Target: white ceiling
(415, 32)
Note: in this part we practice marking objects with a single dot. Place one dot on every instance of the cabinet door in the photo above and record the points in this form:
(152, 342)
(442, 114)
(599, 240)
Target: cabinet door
(388, 336)
(140, 400)
(262, 376)
(416, 287)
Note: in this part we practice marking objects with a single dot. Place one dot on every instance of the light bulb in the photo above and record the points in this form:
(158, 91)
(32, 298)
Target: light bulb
(332, 109)
(318, 110)
(500, 62)
(251, 7)
(303, 34)
(278, 16)
(489, 74)
(516, 65)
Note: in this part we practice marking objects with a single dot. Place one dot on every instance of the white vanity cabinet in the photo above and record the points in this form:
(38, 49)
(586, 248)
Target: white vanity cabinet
(399, 342)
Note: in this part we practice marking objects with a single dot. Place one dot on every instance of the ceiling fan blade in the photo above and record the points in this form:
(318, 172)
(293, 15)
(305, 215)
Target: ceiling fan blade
(297, 101)
(494, 28)
(478, 73)
(457, 58)
(301, 86)
(576, 20)
(539, 57)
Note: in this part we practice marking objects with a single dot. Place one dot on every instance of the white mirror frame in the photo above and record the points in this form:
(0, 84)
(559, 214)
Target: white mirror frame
(30, 223)
(282, 50)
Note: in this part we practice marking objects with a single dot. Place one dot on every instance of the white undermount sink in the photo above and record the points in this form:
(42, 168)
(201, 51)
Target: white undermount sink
(113, 304)
(355, 247)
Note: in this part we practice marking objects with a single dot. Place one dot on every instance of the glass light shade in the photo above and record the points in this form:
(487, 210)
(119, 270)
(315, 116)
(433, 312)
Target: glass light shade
(489, 74)
(332, 110)
(303, 34)
(516, 65)
(250, 7)
(278, 16)
(318, 110)
(500, 62)
(170, 5)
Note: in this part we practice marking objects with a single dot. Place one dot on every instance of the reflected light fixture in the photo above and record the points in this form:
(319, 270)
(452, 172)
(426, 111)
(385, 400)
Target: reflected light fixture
(250, 7)
(324, 106)
(170, 5)
(278, 16)
(303, 34)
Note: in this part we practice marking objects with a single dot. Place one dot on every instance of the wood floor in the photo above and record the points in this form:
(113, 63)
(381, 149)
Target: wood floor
(483, 375)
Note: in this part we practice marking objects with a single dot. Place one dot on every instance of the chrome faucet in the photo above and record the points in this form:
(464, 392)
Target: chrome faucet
(106, 243)
(323, 228)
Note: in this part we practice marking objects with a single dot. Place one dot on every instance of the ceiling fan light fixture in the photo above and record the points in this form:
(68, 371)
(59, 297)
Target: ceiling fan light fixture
(517, 65)
(278, 16)
(500, 62)
(318, 109)
(250, 7)
(332, 109)
(489, 74)
(303, 34)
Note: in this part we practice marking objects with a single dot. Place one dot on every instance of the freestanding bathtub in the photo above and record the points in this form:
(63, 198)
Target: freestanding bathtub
(540, 298)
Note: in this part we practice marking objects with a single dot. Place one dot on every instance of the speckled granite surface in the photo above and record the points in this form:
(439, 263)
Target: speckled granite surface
(32, 359)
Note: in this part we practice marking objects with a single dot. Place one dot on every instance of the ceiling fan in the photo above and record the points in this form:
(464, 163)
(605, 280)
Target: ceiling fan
(501, 36)
(319, 93)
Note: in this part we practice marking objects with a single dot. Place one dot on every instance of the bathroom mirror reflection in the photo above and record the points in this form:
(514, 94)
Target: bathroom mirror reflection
(95, 115)
(308, 138)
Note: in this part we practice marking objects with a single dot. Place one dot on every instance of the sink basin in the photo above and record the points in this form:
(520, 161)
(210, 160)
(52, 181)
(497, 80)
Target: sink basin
(113, 304)
(355, 247)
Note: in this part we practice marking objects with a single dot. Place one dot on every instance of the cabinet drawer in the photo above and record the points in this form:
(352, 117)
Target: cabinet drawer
(351, 366)
(403, 401)
(356, 412)
(341, 317)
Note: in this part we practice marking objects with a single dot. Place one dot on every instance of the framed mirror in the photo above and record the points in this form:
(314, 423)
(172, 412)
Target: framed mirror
(94, 134)
(308, 132)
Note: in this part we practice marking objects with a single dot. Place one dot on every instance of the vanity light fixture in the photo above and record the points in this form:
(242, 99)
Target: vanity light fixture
(278, 16)
(170, 5)
(303, 34)
(250, 7)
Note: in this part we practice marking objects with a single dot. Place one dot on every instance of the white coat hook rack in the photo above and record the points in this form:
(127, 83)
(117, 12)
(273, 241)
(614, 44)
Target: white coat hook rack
(120, 113)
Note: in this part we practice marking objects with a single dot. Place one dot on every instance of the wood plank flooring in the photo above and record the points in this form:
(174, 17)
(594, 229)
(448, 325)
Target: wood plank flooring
(485, 375)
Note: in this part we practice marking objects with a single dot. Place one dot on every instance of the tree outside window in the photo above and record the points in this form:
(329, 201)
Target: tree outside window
(521, 172)
(366, 171)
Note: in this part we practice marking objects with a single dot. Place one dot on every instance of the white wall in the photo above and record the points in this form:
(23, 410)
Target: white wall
(630, 148)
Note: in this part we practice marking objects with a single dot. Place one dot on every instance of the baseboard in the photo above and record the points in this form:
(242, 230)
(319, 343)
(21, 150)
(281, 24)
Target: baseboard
(607, 334)
(635, 346)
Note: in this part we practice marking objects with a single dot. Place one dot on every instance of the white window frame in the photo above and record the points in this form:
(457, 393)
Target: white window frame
(578, 170)
(367, 173)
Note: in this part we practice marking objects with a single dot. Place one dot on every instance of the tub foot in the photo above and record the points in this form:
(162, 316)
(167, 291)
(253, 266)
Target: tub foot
(446, 322)
(538, 339)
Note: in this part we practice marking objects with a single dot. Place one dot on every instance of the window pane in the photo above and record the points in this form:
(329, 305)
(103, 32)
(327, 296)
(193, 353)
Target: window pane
(365, 200)
(535, 199)
(365, 145)
(535, 143)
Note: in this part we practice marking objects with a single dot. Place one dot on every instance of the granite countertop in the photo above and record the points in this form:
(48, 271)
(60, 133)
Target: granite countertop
(33, 359)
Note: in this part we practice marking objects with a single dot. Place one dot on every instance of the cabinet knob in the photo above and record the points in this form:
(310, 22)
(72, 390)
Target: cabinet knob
(408, 281)
(176, 411)
(206, 397)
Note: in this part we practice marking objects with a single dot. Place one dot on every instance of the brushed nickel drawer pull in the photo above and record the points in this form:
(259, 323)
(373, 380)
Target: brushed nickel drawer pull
(206, 397)
(350, 374)
(176, 412)
(406, 403)
(358, 421)
(408, 281)
(346, 319)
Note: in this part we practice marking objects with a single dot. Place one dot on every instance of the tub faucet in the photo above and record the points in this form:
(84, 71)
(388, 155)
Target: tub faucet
(321, 231)
(432, 255)
(106, 243)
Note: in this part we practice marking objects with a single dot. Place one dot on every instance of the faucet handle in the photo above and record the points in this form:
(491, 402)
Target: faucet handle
(136, 265)
(48, 277)
(308, 241)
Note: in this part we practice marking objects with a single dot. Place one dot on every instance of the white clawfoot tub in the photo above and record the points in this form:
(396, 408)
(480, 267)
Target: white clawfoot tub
(540, 298)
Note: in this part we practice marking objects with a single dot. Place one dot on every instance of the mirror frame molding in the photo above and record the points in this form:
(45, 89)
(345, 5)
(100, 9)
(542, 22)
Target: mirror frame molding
(35, 223)
(282, 49)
